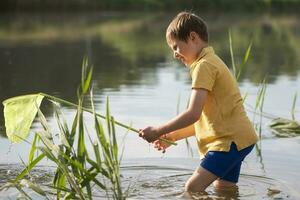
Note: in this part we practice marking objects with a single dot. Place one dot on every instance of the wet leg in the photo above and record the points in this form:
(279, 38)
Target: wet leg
(223, 184)
(200, 180)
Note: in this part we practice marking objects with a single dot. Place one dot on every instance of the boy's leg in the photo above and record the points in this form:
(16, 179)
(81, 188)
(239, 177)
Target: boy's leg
(200, 180)
(218, 164)
(230, 179)
(226, 165)
(223, 184)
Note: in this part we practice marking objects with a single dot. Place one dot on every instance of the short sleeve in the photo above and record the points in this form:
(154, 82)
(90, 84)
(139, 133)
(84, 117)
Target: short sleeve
(204, 76)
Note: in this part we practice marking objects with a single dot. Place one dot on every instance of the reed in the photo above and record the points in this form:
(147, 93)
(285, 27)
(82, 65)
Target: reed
(294, 106)
(260, 96)
(187, 142)
(259, 105)
(258, 126)
(280, 127)
(238, 71)
(78, 172)
(286, 127)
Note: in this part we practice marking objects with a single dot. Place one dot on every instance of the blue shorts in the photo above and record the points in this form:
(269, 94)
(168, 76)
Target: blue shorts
(226, 165)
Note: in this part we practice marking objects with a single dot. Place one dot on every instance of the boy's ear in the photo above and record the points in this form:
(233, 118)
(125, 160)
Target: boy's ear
(193, 35)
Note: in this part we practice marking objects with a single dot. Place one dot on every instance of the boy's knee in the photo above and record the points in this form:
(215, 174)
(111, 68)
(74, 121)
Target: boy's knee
(190, 186)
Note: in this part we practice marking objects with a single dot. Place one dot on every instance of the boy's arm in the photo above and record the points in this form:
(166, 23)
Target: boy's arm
(185, 119)
(174, 136)
(182, 133)
(190, 116)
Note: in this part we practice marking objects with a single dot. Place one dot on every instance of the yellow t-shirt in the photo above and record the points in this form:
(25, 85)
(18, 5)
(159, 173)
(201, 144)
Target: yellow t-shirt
(223, 119)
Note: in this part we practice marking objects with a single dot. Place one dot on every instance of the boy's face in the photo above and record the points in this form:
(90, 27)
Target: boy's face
(186, 52)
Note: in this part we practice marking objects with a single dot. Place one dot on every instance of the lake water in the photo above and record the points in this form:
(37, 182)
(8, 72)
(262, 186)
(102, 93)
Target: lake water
(135, 68)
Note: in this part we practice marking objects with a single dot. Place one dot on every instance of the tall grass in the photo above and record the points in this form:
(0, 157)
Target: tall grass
(260, 96)
(78, 171)
(259, 104)
(187, 142)
(238, 71)
(279, 126)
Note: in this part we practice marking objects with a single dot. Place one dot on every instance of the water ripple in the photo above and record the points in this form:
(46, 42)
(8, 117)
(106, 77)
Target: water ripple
(165, 182)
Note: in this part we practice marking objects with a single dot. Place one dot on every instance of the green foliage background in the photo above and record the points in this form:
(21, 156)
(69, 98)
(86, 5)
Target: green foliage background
(242, 5)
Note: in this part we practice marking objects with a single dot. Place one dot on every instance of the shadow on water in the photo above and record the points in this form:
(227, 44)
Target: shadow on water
(161, 182)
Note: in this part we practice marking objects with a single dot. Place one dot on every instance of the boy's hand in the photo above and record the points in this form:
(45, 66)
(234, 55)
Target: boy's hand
(161, 145)
(150, 134)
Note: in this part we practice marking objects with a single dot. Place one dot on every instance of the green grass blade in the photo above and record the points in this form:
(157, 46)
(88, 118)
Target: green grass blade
(245, 97)
(88, 189)
(92, 177)
(108, 118)
(48, 154)
(63, 131)
(59, 181)
(105, 142)
(44, 123)
(29, 167)
(86, 77)
(231, 54)
(73, 130)
(245, 60)
(76, 163)
(102, 141)
(70, 176)
(114, 141)
(261, 94)
(97, 154)
(99, 168)
(87, 82)
(81, 151)
(85, 172)
(33, 149)
(246, 56)
(63, 126)
(84, 69)
(123, 146)
(95, 144)
(47, 142)
(294, 106)
(33, 186)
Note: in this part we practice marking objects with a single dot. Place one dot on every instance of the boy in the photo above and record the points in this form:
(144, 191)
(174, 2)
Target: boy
(215, 114)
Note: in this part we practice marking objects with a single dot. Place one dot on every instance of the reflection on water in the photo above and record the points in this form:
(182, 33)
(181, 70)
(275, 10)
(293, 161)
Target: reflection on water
(43, 52)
